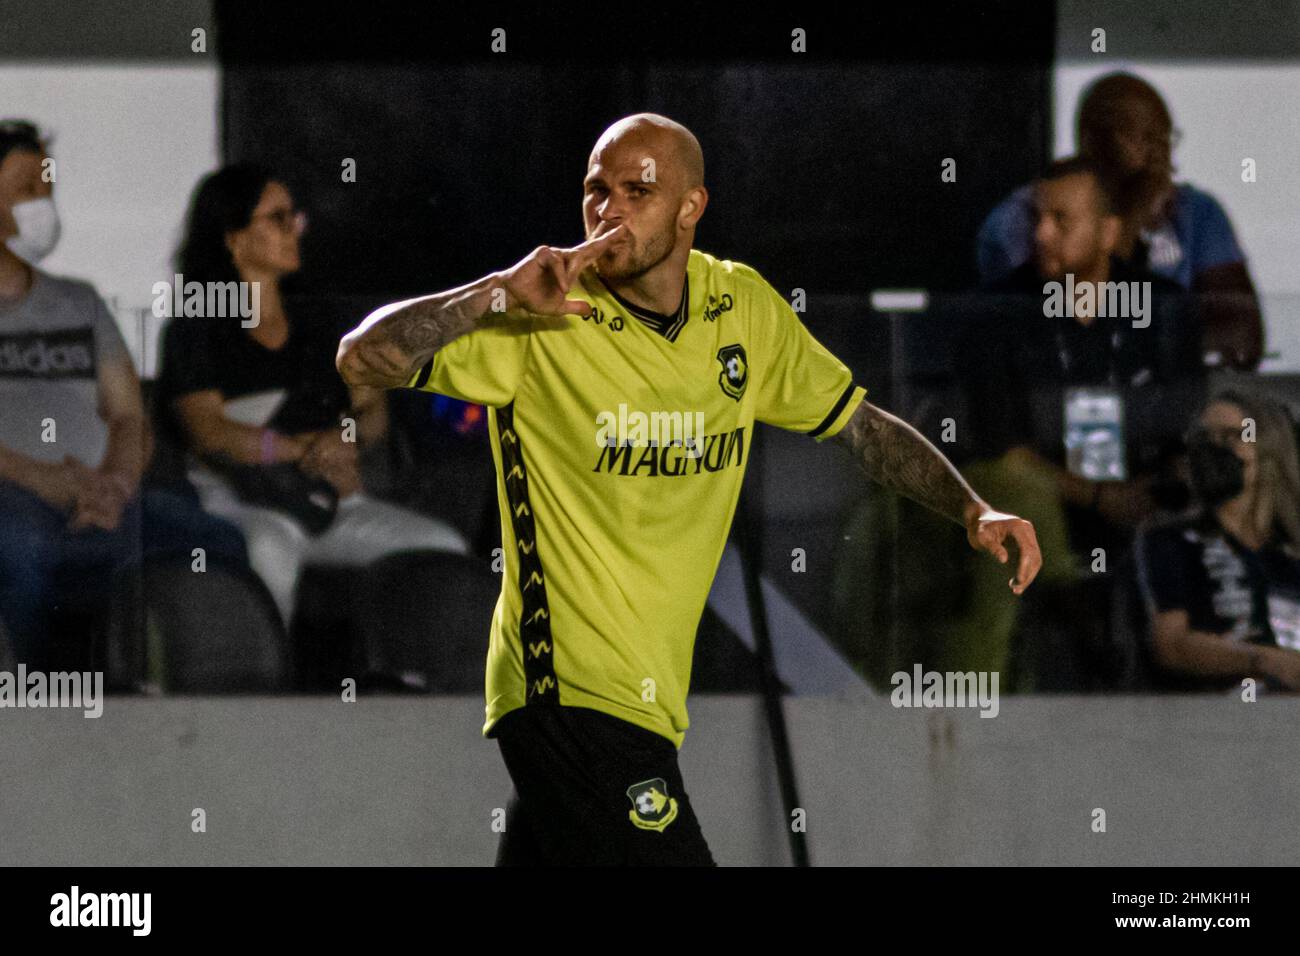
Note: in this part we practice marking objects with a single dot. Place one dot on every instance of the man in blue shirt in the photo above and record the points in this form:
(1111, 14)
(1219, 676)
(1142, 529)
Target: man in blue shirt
(1174, 229)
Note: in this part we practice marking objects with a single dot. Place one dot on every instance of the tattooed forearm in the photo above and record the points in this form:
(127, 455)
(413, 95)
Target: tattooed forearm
(394, 341)
(426, 326)
(899, 457)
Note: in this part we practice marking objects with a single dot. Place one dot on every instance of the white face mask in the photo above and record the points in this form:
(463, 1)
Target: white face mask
(38, 229)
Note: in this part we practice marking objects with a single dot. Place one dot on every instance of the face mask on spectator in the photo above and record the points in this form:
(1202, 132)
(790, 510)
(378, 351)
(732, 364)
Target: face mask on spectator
(1217, 473)
(38, 229)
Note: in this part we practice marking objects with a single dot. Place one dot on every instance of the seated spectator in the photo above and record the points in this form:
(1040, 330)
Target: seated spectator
(1174, 229)
(1030, 366)
(275, 434)
(1074, 415)
(73, 437)
(1222, 583)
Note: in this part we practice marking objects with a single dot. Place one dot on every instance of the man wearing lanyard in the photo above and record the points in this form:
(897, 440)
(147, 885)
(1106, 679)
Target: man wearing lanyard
(1078, 406)
(1066, 388)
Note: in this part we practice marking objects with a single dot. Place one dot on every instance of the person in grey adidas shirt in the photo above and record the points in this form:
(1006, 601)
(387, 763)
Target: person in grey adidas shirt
(74, 440)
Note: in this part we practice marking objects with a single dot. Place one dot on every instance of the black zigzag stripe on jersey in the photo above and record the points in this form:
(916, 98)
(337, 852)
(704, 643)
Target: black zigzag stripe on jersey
(535, 618)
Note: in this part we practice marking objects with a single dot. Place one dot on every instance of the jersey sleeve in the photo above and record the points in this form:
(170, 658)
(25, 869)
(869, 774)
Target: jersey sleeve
(483, 367)
(801, 386)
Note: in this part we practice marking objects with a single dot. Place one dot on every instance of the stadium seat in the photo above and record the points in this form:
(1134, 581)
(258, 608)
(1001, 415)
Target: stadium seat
(424, 619)
(1130, 631)
(438, 472)
(187, 632)
(323, 638)
(77, 618)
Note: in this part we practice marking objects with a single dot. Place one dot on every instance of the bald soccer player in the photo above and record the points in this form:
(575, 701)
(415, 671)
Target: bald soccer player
(612, 529)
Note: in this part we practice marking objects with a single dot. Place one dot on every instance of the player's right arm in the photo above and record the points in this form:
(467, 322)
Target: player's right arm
(394, 341)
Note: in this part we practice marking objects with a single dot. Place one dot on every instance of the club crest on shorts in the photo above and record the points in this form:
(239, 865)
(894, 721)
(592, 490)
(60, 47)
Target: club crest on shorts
(735, 370)
(652, 808)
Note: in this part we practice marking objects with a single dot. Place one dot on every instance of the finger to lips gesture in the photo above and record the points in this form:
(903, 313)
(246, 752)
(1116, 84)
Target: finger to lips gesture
(539, 283)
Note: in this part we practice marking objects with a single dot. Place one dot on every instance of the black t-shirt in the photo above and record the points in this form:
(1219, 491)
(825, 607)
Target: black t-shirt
(1017, 363)
(1195, 565)
(199, 354)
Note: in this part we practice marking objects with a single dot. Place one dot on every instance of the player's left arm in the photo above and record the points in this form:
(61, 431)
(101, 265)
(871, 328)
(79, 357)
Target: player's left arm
(899, 457)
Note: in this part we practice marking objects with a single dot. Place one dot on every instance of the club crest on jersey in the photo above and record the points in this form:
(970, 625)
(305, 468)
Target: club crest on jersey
(652, 808)
(735, 370)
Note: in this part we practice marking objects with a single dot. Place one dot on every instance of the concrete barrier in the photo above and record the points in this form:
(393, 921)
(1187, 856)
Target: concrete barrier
(410, 781)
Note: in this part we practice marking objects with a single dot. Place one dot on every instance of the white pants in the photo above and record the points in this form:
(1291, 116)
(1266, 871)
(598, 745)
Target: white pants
(363, 530)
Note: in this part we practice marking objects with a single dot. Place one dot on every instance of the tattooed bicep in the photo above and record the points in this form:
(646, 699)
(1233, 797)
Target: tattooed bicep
(865, 420)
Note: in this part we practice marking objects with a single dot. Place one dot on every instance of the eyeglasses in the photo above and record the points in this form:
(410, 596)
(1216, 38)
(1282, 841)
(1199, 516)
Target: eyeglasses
(286, 220)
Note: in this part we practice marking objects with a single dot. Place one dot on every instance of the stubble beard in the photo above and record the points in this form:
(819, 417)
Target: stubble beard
(658, 249)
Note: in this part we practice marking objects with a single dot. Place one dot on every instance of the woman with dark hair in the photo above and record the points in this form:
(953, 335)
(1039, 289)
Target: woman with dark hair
(1222, 582)
(273, 431)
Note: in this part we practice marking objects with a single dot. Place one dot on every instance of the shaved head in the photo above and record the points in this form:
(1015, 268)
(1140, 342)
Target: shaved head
(645, 173)
(668, 142)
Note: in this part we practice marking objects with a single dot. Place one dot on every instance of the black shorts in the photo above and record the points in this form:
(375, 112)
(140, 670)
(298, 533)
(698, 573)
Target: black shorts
(593, 790)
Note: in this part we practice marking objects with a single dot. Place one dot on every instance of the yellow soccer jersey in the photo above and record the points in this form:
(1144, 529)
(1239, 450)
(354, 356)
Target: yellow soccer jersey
(620, 441)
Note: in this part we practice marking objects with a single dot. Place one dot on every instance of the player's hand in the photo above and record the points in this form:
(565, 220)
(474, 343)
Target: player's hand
(540, 281)
(991, 531)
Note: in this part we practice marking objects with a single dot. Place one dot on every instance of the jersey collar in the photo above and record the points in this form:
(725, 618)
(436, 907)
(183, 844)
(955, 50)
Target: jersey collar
(669, 326)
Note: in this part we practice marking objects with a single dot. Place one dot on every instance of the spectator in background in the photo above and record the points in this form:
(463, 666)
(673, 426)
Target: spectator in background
(74, 441)
(1027, 370)
(1174, 229)
(1222, 583)
(1023, 366)
(262, 408)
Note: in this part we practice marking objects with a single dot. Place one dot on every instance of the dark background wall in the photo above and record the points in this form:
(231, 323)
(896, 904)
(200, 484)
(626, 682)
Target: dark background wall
(823, 168)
